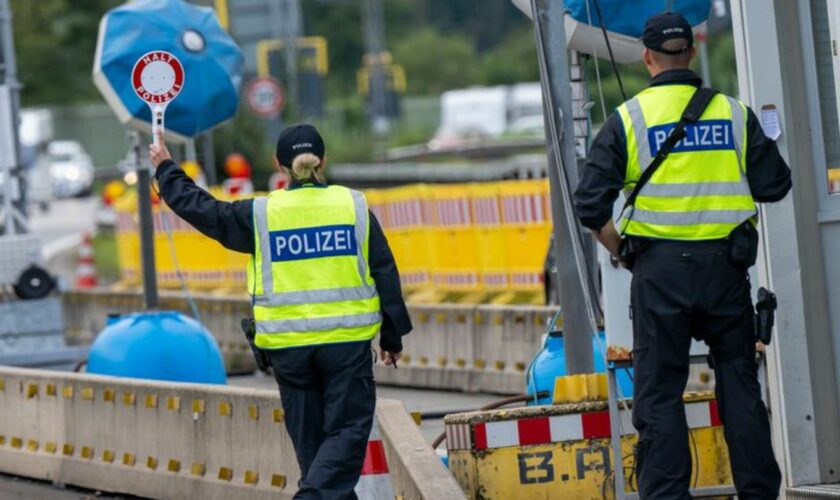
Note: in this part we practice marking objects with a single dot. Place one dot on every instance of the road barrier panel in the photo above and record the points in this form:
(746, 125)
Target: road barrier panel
(487, 238)
(563, 451)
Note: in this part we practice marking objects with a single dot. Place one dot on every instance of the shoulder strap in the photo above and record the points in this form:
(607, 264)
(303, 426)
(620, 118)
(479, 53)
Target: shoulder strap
(691, 114)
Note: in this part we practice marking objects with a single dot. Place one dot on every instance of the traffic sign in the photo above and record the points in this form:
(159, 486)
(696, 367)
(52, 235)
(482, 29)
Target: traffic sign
(139, 37)
(157, 78)
(265, 97)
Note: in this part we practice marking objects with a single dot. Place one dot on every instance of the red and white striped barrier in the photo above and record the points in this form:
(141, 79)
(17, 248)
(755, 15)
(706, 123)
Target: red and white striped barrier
(86, 268)
(375, 481)
(527, 279)
(560, 428)
(487, 211)
(453, 212)
(525, 209)
(238, 186)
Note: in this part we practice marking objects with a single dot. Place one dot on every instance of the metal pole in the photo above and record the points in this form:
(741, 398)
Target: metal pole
(209, 158)
(373, 21)
(560, 144)
(189, 151)
(147, 245)
(16, 206)
(704, 61)
(285, 22)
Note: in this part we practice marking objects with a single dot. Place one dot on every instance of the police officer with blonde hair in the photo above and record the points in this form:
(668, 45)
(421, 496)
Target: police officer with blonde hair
(323, 283)
(693, 164)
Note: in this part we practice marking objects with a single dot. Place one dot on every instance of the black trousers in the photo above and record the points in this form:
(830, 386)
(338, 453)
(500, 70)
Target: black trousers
(328, 397)
(680, 291)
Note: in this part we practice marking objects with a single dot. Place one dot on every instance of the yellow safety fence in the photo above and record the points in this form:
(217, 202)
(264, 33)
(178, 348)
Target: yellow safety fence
(483, 242)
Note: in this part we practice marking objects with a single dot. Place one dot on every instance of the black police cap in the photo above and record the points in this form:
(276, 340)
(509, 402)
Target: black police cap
(666, 26)
(296, 140)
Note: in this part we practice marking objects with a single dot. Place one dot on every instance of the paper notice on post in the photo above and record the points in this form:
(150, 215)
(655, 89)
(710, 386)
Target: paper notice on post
(770, 121)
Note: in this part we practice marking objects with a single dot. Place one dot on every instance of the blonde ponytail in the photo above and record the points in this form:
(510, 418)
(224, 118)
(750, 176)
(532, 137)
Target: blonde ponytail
(307, 167)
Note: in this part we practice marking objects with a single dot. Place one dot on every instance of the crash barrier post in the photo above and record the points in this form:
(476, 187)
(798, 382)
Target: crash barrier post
(563, 451)
(178, 441)
(482, 238)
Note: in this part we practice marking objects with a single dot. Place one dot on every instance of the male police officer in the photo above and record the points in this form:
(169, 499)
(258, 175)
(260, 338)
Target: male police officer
(689, 238)
(323, 283)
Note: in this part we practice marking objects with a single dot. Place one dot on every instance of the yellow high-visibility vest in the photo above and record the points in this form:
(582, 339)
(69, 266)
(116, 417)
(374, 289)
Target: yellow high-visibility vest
(700, 191)
(309, 275)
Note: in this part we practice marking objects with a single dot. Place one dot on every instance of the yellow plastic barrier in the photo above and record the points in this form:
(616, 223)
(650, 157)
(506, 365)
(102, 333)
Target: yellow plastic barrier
(833, 180)
(405, 214)
(480, 239)
(491, 238)
(204, 264)
(527, 219)
(455, 239)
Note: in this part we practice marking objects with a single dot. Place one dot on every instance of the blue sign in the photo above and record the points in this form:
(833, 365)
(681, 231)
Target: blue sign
(211, 59)
(628, 18)
(704, 135)
(312, 243)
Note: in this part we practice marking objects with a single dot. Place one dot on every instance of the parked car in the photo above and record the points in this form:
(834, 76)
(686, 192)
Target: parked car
(70, 169)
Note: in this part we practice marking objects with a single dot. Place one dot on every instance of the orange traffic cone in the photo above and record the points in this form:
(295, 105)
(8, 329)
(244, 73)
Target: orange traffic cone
(375, 481)
(86, 269)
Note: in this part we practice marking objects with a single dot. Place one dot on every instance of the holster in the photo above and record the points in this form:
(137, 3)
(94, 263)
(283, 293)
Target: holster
(249, 328)
(629, 249)
(743, 245)
(765, 315)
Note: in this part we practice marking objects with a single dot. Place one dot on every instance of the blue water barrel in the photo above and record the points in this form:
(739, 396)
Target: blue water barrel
(160, 345)
(550, 363)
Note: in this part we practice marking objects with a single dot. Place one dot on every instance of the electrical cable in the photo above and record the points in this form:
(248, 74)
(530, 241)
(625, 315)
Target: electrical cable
(609, 47)
(173, 255)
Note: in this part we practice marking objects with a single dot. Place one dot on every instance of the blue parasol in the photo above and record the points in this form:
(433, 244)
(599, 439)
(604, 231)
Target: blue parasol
(212, 63)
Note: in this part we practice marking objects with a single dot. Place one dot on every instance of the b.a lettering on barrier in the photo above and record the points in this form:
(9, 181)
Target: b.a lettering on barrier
(539, 467)
(313, 243)
(704, 135)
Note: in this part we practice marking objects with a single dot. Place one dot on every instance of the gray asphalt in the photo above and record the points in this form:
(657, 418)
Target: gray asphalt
(65, 219)
(17, 488)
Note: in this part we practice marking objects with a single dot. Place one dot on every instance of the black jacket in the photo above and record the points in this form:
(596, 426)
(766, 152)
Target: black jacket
(232, 225)
(602, 178)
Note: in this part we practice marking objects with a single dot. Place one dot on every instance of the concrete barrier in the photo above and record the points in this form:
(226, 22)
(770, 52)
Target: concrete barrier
(415, 468)
(178, 441)
(473, 348)
(154, 439)
(85, 313)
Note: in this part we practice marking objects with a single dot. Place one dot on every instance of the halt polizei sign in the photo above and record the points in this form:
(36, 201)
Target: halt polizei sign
(157, 79)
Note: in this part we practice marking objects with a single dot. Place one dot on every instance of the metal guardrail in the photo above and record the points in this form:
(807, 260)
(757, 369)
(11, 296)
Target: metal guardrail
(470, 148)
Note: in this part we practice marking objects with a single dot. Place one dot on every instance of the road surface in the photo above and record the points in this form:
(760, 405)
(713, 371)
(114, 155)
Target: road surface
(17, 488)
(62, 225)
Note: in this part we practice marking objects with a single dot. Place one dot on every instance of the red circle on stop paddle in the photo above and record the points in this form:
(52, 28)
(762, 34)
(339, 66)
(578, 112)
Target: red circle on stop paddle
(157, 77)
